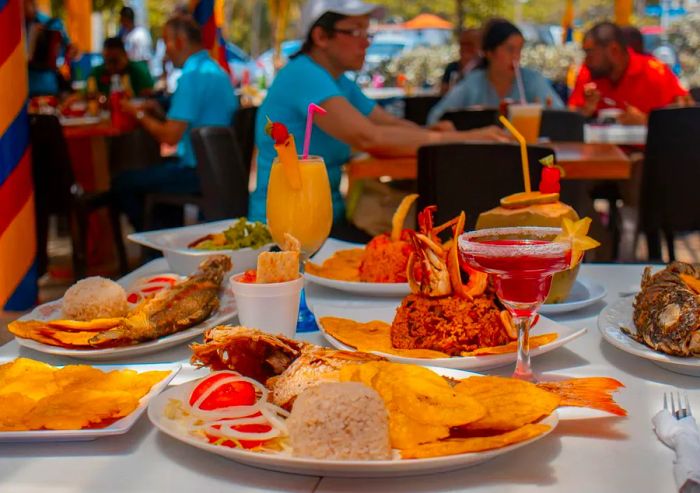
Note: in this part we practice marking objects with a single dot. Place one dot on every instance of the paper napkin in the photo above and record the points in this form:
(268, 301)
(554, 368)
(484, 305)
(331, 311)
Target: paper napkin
(683, 436)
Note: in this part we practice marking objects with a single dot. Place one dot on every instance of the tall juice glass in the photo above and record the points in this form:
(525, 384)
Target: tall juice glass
(305, 213)
(526, 118)
(522, 262)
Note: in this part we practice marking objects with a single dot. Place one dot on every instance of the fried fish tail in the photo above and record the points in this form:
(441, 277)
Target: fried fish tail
(593, 392)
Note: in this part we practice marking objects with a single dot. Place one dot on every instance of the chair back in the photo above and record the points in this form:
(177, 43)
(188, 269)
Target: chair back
(562, 125)
(416, 108)
(133, 150)
(244, 125)
(695, 94)
(472, 177)
(51, 165)
(671, 173)
(223, 177)
(471, 119)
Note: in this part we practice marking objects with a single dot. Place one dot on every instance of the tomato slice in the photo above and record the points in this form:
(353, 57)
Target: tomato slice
(237, 393)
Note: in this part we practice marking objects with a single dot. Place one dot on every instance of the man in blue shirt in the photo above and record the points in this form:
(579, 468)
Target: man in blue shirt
(204, 97)
(336, 38)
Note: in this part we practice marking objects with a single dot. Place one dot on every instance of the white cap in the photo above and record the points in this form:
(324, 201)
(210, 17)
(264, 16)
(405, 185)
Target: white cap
(314, 9)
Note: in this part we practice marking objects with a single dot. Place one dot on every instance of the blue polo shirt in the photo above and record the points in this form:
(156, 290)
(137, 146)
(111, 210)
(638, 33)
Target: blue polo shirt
(204, 97)
(300, 83)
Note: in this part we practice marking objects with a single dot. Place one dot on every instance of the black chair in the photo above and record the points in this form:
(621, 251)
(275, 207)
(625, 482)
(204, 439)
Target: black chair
(57, 193)
(416, 108)
(562, 125)
(669, 200)
(472, 177)
(695, 94)
(471, 119)
(244, 125)
(223, 178)
(133, 150)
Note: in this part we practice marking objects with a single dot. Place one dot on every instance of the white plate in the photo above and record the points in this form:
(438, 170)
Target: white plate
(74, 121)
(182, 260)
(584, 292)
(397, 289)
(314, 467)
(119, 427)
(620, 314)
(51, 311)
(484, 362)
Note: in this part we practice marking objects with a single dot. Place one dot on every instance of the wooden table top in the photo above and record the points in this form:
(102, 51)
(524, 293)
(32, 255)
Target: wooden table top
(580, 161)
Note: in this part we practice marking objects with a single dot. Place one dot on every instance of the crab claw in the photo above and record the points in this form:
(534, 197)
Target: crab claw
(477, 280)
(427, 271)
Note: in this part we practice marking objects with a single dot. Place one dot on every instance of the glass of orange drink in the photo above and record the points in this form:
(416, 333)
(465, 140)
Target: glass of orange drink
(526, 118)
(305, 212)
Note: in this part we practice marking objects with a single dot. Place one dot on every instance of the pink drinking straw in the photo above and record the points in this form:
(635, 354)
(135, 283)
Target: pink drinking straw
(313, 108)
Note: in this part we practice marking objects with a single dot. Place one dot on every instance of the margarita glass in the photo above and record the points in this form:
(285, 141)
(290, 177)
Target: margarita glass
(305, 213)
(522, 261)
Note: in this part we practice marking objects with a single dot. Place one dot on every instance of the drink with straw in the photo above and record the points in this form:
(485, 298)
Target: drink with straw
(522, 260)
(299, 200)
(526, 118)
(305, 212)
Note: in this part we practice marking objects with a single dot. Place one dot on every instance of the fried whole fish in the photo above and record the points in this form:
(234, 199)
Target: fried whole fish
(288, 367)
(667, 310)
(285, 366)
(171, 310)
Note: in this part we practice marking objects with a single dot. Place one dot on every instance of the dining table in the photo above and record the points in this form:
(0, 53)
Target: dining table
(584, 453)
(580, 161)
(88, 148)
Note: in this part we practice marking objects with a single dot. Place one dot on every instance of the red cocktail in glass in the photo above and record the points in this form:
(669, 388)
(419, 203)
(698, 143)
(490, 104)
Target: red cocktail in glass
(522, 261)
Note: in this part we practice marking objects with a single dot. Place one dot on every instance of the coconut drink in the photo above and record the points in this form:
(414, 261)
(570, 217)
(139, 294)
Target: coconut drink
(535, 209)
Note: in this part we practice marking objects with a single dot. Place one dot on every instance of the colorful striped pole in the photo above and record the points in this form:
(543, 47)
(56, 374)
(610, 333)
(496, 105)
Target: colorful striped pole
(18, 287)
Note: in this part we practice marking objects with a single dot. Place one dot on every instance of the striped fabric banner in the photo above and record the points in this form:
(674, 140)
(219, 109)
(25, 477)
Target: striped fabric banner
(18, 287)
(209, 15)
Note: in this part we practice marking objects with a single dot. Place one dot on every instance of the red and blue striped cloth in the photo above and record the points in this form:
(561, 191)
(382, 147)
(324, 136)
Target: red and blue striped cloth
(208, 14)
(18, 286)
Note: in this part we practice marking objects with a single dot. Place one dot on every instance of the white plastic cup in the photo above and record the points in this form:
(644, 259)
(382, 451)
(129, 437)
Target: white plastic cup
(271, 307)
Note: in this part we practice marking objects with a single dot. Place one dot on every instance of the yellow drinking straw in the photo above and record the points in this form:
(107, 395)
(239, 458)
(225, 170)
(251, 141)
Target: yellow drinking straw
(523, 150)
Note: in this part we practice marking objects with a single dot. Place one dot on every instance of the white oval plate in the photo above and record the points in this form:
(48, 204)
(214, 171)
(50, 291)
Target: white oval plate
(119, 427)
(395, 289)
(584, 292)
(618, 315)
(315, 467)
(48, 311)
(484, 362)
(398, 289)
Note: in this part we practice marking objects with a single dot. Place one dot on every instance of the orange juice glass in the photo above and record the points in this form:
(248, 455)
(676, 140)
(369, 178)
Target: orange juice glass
(526, 118)
(306, 213)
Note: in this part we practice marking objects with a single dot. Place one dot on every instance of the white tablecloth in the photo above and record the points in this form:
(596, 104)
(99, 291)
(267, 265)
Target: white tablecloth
(600, 455)
(615, 134)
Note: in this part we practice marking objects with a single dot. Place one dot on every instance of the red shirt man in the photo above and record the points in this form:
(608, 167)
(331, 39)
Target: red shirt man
(615, 77)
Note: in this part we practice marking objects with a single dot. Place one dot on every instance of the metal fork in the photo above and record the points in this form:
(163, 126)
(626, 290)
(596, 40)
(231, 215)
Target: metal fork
(677, 409)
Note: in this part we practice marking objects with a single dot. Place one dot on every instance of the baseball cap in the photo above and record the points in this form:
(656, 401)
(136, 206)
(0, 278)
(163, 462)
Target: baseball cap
(314, 9)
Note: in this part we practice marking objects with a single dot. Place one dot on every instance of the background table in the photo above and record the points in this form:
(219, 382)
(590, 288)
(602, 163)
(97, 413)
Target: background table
(604, 455)
(580, 162)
